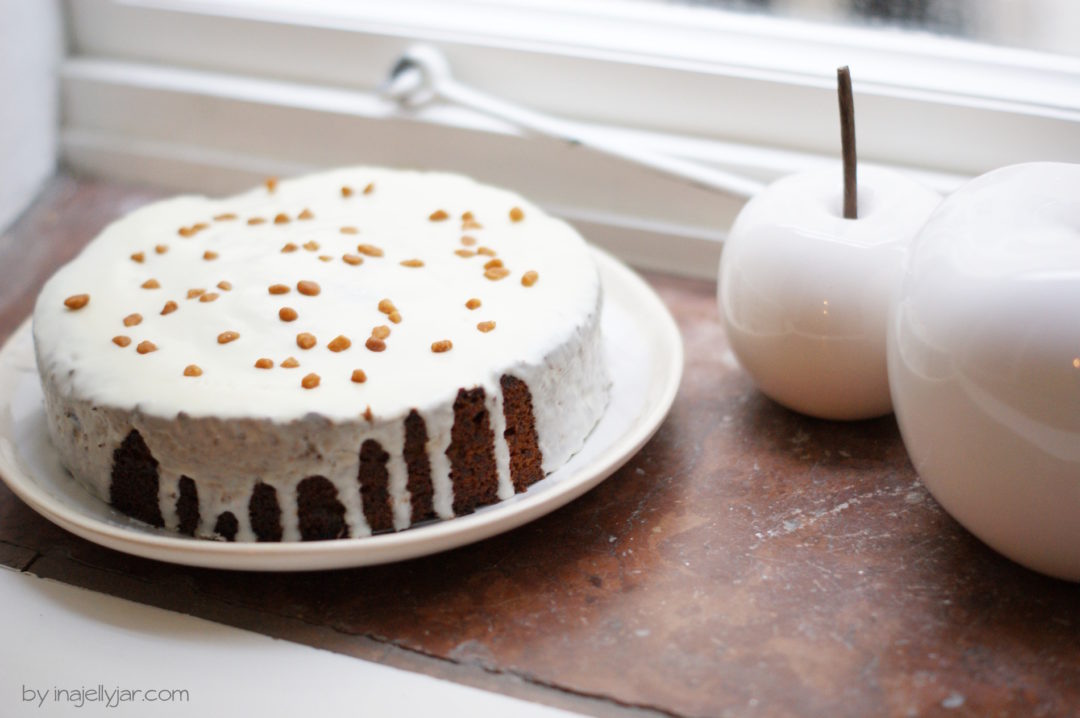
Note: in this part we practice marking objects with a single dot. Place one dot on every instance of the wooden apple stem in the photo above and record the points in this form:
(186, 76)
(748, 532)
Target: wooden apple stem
(847, 142)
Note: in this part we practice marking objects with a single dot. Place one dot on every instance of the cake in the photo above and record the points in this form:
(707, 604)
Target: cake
(352, 352)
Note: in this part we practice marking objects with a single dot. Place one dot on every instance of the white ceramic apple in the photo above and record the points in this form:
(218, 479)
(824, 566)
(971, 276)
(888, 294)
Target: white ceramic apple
(984, 361)
(804, 293)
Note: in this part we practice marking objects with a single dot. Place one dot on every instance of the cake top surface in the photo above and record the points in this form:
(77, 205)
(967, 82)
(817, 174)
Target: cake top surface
(336, 293)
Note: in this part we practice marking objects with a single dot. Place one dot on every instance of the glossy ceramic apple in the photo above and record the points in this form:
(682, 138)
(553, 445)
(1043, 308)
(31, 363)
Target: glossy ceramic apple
(984, 362)
(804, 293)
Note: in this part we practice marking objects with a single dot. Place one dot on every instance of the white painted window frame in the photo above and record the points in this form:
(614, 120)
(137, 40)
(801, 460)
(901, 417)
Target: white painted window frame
(210, 95)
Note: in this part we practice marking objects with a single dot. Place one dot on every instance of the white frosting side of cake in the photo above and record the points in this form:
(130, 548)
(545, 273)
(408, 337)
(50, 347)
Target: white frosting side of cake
(502, 449)
(75, 347)
(236, 426)
(439, 423)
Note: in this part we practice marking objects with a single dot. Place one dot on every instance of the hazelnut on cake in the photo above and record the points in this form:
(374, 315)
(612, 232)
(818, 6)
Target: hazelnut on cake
(350, 352)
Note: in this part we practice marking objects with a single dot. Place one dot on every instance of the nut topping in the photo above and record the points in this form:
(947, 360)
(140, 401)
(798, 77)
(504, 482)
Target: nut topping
(339, 344)
(308, 288)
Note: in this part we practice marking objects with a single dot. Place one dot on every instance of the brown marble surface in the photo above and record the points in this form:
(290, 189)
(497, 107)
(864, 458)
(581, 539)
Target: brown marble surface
(748, 561)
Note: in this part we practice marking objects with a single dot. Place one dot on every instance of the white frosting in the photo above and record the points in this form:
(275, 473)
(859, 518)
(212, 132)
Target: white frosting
(439, 423)
(76, 345)
(502, 449)
(235, 425)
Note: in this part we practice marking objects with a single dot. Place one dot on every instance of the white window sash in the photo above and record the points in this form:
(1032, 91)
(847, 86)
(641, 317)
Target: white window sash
(208, 95)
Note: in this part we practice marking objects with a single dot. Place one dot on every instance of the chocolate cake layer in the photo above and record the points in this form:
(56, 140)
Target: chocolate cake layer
(187, 506)
(265, 513)
(320, 514)
(227, 525)
(375, 486)
(526, 460)
(421, 492)
(472, 453)
(135, 483)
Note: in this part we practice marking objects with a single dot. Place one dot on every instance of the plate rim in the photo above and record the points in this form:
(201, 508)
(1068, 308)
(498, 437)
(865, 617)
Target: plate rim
(382, 548)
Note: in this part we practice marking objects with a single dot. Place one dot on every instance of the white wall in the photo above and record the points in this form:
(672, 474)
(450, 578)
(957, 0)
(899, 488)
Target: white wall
(31, 42)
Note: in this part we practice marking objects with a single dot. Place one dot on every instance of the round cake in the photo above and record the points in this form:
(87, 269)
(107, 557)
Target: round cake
(351, 352)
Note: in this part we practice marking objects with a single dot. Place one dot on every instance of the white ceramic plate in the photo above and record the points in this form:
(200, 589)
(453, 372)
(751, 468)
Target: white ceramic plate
(645, 359)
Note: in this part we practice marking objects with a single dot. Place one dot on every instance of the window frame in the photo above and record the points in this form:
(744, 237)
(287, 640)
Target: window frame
(943, 109)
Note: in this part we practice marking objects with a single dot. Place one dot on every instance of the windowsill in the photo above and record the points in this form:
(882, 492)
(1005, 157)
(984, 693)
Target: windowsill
(747, 559)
